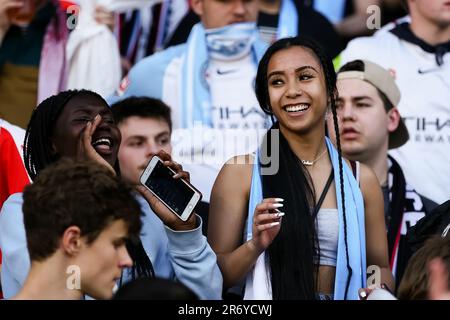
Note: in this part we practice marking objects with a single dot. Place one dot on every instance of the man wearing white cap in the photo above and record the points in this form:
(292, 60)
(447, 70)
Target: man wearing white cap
(370, 124)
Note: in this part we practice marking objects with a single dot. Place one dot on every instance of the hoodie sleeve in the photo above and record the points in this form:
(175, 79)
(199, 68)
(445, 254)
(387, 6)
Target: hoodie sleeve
(194, 262)
(13, 243)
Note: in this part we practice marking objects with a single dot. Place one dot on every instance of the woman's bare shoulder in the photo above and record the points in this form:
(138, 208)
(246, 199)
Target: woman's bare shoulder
(235, 175)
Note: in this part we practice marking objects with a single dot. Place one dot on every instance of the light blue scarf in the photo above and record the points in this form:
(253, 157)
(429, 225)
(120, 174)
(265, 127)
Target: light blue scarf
(195, 96)
(356, 239)
(288, 20)
(332, 9)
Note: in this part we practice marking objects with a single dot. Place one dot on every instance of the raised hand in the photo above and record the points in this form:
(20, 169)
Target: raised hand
(266, 223)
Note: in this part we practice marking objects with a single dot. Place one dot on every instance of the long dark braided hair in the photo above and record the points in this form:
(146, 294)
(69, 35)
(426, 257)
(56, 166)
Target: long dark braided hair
(38, 155)
(293, 253)
(37, 152)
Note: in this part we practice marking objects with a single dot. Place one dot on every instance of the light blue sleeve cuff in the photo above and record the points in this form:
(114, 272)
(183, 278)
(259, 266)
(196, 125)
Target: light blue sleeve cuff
(186, 242)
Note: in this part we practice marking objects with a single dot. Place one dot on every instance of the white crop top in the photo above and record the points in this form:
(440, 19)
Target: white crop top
(327, 229)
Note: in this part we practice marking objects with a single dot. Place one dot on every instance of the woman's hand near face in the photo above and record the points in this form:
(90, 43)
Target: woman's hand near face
(160, 209)
(85, 149)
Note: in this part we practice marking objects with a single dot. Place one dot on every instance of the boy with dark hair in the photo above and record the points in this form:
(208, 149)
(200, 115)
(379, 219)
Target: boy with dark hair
(76, 231)
(143, 107)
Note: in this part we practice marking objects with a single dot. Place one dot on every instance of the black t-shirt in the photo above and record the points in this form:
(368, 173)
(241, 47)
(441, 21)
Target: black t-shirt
(181, 33)
(314, 25)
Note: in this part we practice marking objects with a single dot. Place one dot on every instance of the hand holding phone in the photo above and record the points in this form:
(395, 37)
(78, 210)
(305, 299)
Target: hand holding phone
(167, 189)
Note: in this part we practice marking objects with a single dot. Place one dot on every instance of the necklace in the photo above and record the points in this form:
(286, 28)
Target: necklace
(310, 163)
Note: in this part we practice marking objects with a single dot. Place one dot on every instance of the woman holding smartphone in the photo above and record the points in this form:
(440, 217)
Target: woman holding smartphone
(305, 230)
(80, 125)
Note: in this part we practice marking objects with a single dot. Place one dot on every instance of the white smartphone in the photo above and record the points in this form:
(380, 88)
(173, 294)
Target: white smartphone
(177, 194)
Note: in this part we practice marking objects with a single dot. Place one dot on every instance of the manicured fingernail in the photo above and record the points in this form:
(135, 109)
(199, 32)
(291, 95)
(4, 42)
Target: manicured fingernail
(279, 199)
(363, 294)
(273, 224)
(277, 205)
(96, 117)
(278, 214)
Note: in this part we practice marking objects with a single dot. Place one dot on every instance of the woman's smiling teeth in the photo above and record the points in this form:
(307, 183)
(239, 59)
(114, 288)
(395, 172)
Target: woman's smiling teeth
(102, 144)
(297, 107)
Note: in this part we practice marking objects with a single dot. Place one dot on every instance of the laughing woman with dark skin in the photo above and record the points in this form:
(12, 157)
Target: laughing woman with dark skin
(80, 125)
(306, 230)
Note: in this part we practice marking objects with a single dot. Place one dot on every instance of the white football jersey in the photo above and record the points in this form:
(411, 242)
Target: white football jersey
(423, 76)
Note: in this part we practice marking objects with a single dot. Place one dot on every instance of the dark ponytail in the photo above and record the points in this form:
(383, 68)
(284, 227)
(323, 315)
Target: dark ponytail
(291, 254)
(37, 153)
(142, 266)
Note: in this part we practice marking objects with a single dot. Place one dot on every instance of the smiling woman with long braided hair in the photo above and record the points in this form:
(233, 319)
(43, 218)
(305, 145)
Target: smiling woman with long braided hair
(272, 229)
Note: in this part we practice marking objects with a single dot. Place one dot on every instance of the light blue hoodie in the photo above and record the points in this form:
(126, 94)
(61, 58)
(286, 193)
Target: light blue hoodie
(182, 255)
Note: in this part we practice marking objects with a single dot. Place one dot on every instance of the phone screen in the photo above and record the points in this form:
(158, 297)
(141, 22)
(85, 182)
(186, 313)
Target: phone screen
(174, 192)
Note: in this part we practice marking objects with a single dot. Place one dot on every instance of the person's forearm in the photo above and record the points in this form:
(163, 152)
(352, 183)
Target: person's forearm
(237, 264)
(387, 278)
(194, 262)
